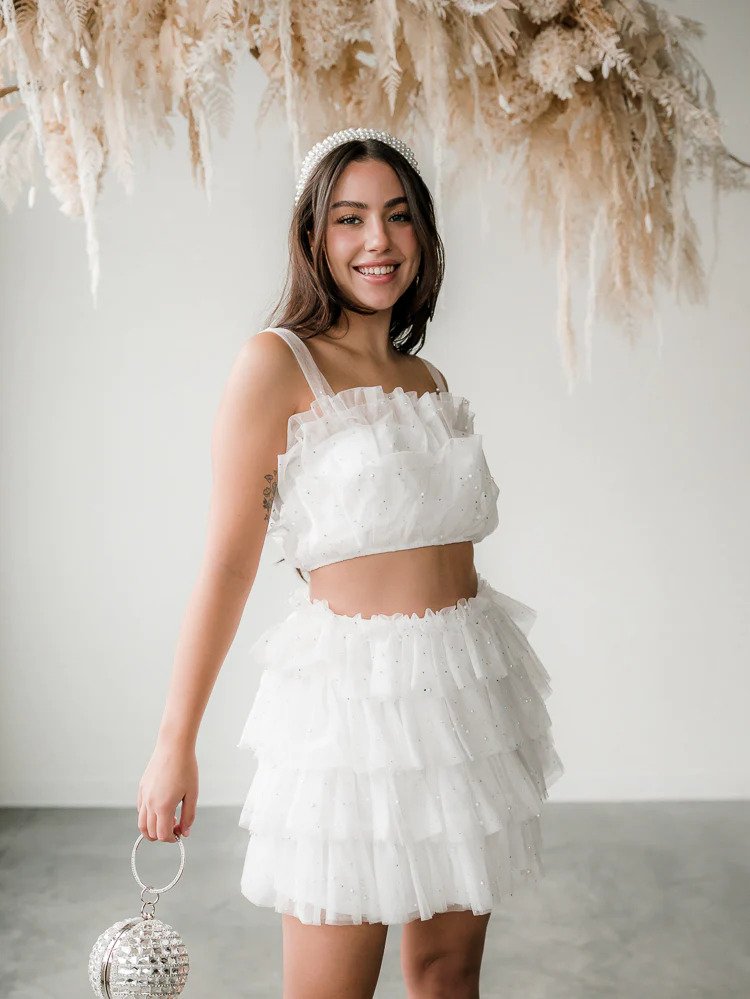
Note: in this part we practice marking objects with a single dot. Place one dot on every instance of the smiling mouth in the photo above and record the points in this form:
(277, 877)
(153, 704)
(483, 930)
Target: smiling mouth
(364, 271)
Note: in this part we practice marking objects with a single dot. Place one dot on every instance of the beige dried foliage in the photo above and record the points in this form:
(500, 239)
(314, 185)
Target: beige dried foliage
(599, 106)
(540, 11)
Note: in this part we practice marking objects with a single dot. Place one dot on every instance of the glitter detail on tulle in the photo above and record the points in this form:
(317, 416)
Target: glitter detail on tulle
(403, 760)
(368, 471)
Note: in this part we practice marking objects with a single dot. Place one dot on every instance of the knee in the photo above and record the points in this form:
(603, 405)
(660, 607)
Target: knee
(445, 976)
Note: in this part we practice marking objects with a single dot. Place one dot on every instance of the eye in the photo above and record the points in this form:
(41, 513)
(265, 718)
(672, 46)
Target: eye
(403, 215)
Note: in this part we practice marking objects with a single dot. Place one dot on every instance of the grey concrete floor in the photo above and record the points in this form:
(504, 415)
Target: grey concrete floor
(639, 901)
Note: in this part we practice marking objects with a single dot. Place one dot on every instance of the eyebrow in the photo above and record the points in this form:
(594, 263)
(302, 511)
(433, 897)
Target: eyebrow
(361, 204)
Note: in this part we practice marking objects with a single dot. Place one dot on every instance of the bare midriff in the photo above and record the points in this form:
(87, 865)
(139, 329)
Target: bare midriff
(406, 582)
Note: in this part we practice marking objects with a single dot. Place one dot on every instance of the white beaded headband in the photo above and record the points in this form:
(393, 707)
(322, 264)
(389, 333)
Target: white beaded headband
(320, 149)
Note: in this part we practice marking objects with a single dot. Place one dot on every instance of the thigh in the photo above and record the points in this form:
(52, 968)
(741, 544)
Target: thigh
(450, 942)
(331, 962)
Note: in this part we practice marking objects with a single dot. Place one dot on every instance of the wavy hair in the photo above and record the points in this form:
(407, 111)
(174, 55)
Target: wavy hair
(311, 301)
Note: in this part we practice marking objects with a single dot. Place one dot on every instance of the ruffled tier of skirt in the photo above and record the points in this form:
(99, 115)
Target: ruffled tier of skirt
(402, 761)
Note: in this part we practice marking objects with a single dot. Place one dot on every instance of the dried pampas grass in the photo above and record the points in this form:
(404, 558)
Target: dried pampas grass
(606, 113)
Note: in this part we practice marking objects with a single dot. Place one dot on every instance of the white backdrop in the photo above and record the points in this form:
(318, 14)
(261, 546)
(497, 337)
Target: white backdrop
(623, 507)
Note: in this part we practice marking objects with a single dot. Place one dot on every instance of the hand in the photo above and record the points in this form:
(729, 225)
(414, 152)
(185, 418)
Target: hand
(171, 777)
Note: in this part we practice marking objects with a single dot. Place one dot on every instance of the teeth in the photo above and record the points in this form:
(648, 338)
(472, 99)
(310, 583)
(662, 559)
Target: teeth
(376, 270)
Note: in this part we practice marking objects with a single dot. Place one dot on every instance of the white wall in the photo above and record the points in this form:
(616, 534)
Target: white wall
(623, 507)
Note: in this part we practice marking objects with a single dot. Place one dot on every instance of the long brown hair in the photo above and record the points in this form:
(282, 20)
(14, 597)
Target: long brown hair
(311, 301)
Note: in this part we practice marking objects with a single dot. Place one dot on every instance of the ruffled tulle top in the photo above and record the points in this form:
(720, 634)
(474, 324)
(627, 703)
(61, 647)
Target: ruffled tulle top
(369, 471)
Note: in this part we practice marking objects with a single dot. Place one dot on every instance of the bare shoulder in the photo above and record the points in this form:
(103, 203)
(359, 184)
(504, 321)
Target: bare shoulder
(432, 366)
(265, 369)
(445, 380)
(263, 389)
(265, 356)
(249, 433)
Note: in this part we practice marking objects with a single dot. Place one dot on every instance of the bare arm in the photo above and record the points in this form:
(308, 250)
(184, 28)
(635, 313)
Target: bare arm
(248, 435)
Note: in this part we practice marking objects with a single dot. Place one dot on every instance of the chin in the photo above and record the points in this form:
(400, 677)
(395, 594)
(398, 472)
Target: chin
(376, 301)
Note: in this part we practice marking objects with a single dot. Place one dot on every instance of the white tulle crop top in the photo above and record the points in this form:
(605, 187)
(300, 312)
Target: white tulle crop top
(369, 471)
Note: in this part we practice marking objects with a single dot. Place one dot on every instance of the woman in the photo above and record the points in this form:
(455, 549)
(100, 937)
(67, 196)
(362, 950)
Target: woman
(403, 743)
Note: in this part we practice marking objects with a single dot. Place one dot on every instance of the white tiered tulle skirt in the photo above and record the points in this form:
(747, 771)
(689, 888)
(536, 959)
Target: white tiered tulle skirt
(402, 761)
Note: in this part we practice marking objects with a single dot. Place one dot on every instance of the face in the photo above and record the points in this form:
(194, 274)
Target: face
(376, 230)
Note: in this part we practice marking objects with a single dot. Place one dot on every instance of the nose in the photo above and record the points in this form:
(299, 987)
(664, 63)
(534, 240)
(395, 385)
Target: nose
(377, 235)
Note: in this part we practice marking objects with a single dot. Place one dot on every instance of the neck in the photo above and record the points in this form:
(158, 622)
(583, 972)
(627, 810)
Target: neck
(364, 336)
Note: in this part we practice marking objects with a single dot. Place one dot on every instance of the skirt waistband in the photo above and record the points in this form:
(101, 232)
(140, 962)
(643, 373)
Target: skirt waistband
(485, 599)
(302, 598)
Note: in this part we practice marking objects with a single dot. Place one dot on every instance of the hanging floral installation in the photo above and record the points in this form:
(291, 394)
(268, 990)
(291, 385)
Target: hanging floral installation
(598, 109)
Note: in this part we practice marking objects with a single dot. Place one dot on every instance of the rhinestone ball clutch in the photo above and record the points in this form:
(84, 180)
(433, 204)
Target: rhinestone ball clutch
(140, 956)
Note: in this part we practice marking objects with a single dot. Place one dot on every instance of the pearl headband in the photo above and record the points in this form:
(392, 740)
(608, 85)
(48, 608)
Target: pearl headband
(320, 149)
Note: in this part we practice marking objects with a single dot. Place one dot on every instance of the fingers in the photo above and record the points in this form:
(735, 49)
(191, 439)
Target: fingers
(151, 824)
(165, 823)
(143, 822)
(160, 822)
(159, 825)
(187, 814)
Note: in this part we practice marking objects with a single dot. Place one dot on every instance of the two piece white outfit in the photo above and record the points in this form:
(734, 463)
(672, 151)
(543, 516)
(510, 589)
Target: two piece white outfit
(402, 759)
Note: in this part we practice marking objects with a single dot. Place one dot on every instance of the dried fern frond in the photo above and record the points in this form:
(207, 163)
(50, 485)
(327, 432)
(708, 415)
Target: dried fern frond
(600, 107)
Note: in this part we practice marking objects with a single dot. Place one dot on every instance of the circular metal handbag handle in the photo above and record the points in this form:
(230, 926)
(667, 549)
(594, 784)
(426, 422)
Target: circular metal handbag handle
(158, 891)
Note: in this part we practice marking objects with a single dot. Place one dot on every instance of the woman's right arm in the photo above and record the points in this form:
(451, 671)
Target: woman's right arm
(249, 433)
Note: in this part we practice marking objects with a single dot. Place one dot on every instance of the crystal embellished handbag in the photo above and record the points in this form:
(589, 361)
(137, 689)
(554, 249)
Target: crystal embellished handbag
(140, 956)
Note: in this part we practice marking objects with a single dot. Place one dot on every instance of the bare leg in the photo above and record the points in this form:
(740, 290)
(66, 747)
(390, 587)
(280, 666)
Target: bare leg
(442, 956)
(331, 962)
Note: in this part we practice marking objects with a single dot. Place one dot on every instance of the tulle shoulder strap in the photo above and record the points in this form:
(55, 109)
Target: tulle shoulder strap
(315, 377)
(437, 377)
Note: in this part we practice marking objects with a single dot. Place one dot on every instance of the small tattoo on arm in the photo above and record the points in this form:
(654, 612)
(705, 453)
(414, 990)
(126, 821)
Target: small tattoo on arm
(269, 492)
